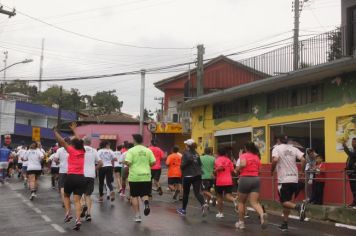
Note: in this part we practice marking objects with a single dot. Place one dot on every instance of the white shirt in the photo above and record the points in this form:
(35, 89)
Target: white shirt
(286, 157)
(117, 156)
(20, 155)
(53, 163)
(90, 159)
(62, 156)
(34, 158)
(106, 156)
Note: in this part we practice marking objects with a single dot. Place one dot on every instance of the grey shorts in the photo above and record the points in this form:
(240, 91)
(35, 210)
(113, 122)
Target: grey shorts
(249, 184)
(61, 179)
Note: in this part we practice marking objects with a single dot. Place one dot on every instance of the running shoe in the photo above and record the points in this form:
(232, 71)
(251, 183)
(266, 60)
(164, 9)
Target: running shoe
(182, 212)
(240, 225)
(160, 191)
(302, 211)
(247, 215)
(32, 196)
(122, 194)
(147, 209)
(84, 210)
(112, 196)
(205, 210)
(264, 222)
(120, 191)
(108, 197)
(138, 219)
(88, 218)
(213, 201)
(68, 218)
(219, 215)
(100, 200)
(77, 225)
(283, 227)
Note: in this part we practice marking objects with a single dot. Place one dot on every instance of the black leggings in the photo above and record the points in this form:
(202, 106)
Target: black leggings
(105, 173)
(196, 182)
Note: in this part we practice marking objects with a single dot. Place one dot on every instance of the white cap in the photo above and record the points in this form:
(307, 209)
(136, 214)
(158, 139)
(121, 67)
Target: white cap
(189, 142)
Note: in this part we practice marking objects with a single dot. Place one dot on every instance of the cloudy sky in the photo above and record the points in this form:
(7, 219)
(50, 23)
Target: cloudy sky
(91, 37)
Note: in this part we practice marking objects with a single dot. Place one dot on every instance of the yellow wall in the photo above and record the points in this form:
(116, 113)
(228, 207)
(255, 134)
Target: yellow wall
(206, 127)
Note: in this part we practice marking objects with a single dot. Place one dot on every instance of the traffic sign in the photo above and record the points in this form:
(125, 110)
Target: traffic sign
(152, 127)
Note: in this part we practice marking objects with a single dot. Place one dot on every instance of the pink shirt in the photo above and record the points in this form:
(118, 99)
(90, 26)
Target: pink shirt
(75, 161)
(253, 164)
(158, 153)
(224, 177)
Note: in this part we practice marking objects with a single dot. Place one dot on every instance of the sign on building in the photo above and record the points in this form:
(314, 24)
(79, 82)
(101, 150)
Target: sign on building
(36, 134)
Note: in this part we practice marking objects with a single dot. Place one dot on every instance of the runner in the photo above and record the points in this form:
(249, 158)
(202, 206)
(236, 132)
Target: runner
(54, 169)
(125, 168)
(223, 168)
(91, 158)
(191, 172)
(75, 181)
(61, 158)
(5, 154)
(284, 161)
(21, 151)
(139, 159)
(208, 162)
(156, 170)
(34, 168)
(107, 156)
(118, 168)
(174, 172)
(249, 184)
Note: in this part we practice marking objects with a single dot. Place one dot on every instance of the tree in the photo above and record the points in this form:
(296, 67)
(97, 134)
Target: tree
(336, 45)
(107, 102)
(21, 87)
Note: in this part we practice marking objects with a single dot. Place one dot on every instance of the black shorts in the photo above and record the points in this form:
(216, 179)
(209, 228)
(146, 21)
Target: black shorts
(140, 189)
(75, 184)
(19, 166)
(223, 189)
(90, 186)
(117, 169)
(54, 170)
(174, 180)
(34, 172)
(207, 184)
(61, 180)
(286, 191)
(156, 174)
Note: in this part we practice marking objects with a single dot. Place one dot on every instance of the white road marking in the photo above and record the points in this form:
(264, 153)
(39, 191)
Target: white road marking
(38, 211)
(30, 204)
(58, 228)
(46, 218)
(353, 227)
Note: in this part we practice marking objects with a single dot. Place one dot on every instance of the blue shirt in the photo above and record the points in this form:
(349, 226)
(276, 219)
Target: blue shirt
(4, 154)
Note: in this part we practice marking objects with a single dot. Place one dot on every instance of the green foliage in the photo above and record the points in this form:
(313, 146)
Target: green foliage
(107, 102)
(336, 45)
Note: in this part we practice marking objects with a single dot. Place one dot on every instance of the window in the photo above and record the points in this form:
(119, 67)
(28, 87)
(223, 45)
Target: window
(295, 97)
(233, 143)
(233, 108)
(29, 122)
(351, 25)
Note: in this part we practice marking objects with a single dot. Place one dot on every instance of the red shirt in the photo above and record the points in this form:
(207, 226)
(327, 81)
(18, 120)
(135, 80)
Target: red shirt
(253, 164)
(158, 153)
(75, 161)
(224, 177)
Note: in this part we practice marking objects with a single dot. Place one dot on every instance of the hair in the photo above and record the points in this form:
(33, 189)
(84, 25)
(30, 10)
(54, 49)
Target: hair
(34, 145)
(282, 138)
(130, 145)
(153, 143)
(208, 151)
(103, 144)
(87, 141)
(175, 149)
(222, 151)
(354, 139)
(192, 147)
(119, 147)
(252, 148)
(137, 138)
(77, 143)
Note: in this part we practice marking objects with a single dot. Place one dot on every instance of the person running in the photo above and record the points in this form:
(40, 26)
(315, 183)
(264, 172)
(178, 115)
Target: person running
(156, 170)
(61, 158)
(118, 168)
(54, 170)
(107, 156)
(173, 162)
(191, 172)
(125, 168)
(21, 151)
(139, 159)
(223, 168)
(91, 159)
(208, 162)
(284, 158)
(34, 168)
(249, 184)
(5, 154)
(75, 181)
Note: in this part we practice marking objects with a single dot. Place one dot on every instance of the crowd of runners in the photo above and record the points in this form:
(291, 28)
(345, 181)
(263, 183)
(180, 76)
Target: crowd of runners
(75, 165)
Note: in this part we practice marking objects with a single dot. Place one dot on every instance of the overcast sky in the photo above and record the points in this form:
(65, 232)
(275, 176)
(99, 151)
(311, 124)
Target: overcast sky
(223, 26)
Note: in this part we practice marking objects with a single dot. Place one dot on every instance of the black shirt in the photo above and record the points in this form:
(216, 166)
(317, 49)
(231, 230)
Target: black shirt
(351, 160)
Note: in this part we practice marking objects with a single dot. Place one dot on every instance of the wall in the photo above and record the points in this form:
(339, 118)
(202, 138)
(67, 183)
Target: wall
(344, 5)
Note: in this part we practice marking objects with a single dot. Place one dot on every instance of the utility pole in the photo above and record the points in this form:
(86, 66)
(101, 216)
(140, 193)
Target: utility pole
(161, 99)
(59, 117)
(297, 7)
(41, 68)
(8, 13)
(200, 70)
(5, 65)
(142, 100)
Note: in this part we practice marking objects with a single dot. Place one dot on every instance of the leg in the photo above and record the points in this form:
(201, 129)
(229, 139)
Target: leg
(101, 181)
(135, 205)
(352, 181)
(118, 180)
(220, 202)
(186, 190)
(67, 203)
(242, 206)
(109, 178)
(256, 205)
(196, 187)
(89, 203)
(77, 205)
(32, 182)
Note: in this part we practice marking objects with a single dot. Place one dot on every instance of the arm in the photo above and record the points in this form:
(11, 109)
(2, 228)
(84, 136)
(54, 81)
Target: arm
(186, 160)
(274, 164)
(60, 138)
(73, 126)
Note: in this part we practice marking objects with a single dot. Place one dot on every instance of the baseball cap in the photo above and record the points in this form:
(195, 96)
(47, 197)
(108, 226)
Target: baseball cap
(189, 142)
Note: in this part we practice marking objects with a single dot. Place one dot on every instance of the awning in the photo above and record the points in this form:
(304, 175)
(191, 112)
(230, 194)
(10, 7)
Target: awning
(233, 131)
(108, 136)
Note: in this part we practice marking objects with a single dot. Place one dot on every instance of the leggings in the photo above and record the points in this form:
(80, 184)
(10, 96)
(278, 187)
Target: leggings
(196, 182)
(105, 173)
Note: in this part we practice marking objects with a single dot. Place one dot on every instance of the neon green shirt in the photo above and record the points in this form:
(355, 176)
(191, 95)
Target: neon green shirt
(140, 159)
(207, 166)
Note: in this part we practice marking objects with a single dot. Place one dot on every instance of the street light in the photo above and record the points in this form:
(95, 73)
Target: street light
(7, 67)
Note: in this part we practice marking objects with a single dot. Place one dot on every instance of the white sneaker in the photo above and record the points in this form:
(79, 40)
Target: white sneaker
(138, 219)
(220, 215)
(240, 225)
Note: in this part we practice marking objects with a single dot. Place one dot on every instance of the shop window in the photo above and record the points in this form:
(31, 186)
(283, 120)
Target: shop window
(232, 108)
(233, 143)
(302, 135)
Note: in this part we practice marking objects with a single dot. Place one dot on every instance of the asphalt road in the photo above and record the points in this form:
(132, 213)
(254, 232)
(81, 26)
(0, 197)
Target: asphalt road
(44, 216)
